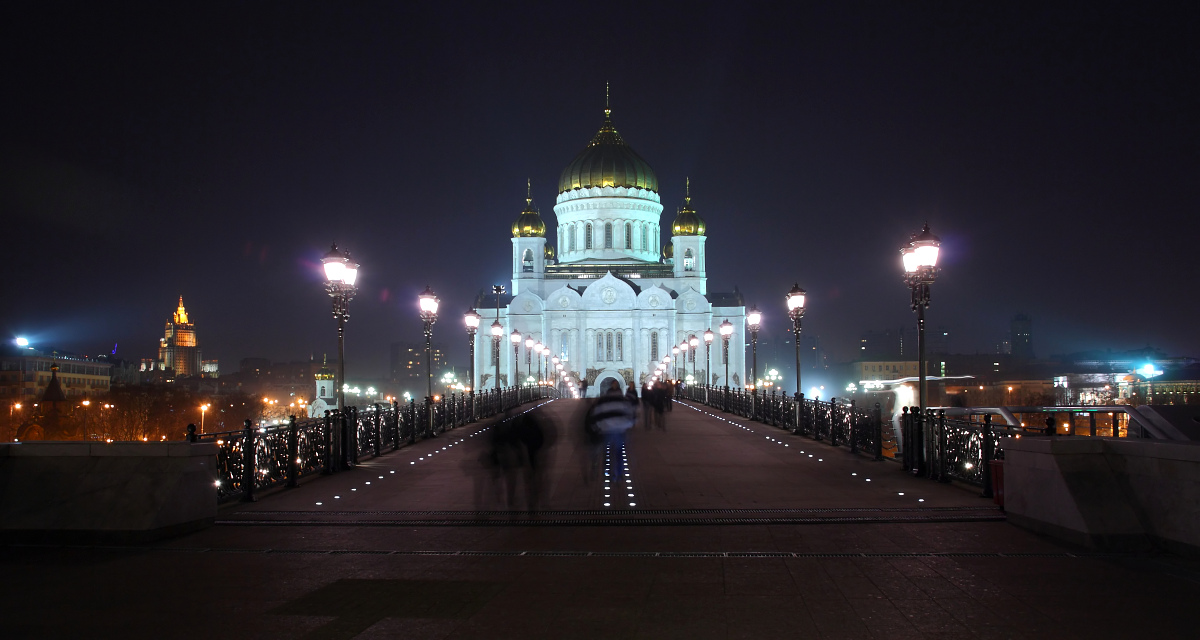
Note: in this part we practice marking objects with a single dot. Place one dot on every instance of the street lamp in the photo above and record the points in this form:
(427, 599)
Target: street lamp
(694, 343)
(529, 357)
(708, 339)
(203, 410)
(429, 305)
(675, 353)
(795, 306)
(515, 337)
(726, 333)
(340, 276)
(471, 319)
(539, 349)
(753, 319)
(497, 335)
(919, 258)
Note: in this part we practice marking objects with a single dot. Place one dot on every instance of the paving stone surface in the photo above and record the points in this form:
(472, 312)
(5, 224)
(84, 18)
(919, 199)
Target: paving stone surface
(738, 530)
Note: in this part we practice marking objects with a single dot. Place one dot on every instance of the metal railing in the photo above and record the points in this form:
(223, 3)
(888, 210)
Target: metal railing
(840, 423)
(337, 441)
(944, 448)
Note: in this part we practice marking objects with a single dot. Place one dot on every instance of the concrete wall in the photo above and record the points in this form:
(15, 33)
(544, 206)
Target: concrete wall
(125, 491)
(1106, 493)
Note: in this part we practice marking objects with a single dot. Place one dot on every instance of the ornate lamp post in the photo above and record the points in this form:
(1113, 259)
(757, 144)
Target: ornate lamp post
(920, 257)
(340, 276)
(675, 357)
(471, 319)
(497, 335)
(539, 348)
(795, 306)
(529, 357)
(515, 337)
(693, 344)
(708, 338)
(726, 333)
(753, 319)
(429, 306)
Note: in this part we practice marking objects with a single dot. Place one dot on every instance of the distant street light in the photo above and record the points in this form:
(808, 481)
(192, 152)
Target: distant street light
(795, 306)
(539, 349)
(515, 337)
(429, 306)
(471, 319)
(497, 335)
(919, 258)
(203, 410)
(753, 319)
(529, 357)
(726, 333)
(675, 353)
(693, 343)
(340, 276)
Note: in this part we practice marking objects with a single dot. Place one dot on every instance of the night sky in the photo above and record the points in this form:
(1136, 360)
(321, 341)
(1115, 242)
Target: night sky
(150, 152)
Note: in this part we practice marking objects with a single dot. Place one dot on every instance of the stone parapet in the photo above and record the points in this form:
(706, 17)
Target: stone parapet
(1106, 493)
(121, 491)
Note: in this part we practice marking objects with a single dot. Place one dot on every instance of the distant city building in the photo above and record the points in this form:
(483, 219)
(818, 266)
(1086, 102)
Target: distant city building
(901, 344)
(1021, 337)
(26, 376)
(408, 363)
(210, 369)
(178, 349)
(885, 370)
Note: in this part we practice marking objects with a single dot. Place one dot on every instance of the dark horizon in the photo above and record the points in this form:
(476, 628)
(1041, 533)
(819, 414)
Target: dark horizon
(216, 153)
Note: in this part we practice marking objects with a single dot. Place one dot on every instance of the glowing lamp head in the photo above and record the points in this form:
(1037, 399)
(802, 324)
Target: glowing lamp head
(708, 336)
(497, 329)
(726, 329)
(539, 348)
(515, 336)
(350, 275)
(335, 265)
(675, 350)
(428, 303)
(693, 341)
(528, 343)
(795, 300)
(926, 246)
(471, 319)
(555, 360)
(22, 342)
(754, 318)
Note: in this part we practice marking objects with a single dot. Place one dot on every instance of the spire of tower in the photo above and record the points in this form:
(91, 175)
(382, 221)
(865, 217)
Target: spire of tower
(607, 109)
(528, 191)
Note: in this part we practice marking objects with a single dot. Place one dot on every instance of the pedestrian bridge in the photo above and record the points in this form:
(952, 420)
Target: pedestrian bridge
(717, 526)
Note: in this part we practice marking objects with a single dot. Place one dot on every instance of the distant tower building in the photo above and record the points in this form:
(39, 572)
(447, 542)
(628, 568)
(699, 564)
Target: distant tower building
(1021, 337)
(326, 392)
(177, 349)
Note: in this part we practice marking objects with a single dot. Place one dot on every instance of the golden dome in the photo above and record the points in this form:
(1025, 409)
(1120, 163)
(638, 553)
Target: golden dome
(668, 251)
(608, 162)
(688, 222)
(529, 224)
(549, 252)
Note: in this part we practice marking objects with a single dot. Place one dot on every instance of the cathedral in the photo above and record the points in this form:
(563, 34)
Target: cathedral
(609, 298)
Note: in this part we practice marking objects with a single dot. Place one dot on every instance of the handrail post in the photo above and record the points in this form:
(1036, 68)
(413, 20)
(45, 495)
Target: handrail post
(943, 472)
(395, 407)
(877, 431)
(988, 454)
(378, 441)
(191, 434)
(854, 432)
(412, 420)
(248, 470)
(328, 430)
(293, 466)
(353, 436)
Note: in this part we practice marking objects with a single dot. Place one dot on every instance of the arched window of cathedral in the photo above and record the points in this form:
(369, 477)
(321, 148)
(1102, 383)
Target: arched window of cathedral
(620, 346)
(587, 239)
(527, 261)
(608, 235)
(653, 347)
(628, 236)
(571, 234)
(645, 237)
(563, 352)
(689, 261)
(599, 346)
(608, 347)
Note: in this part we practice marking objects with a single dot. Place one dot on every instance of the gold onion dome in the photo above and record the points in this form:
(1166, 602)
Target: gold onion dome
(687, 221)
(529, 224)
(668, 251)
(608, 162)
(549, 252)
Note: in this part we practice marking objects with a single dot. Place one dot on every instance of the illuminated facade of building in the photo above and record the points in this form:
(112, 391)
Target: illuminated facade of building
(608, 298)
(25, 377)
(178, 349)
